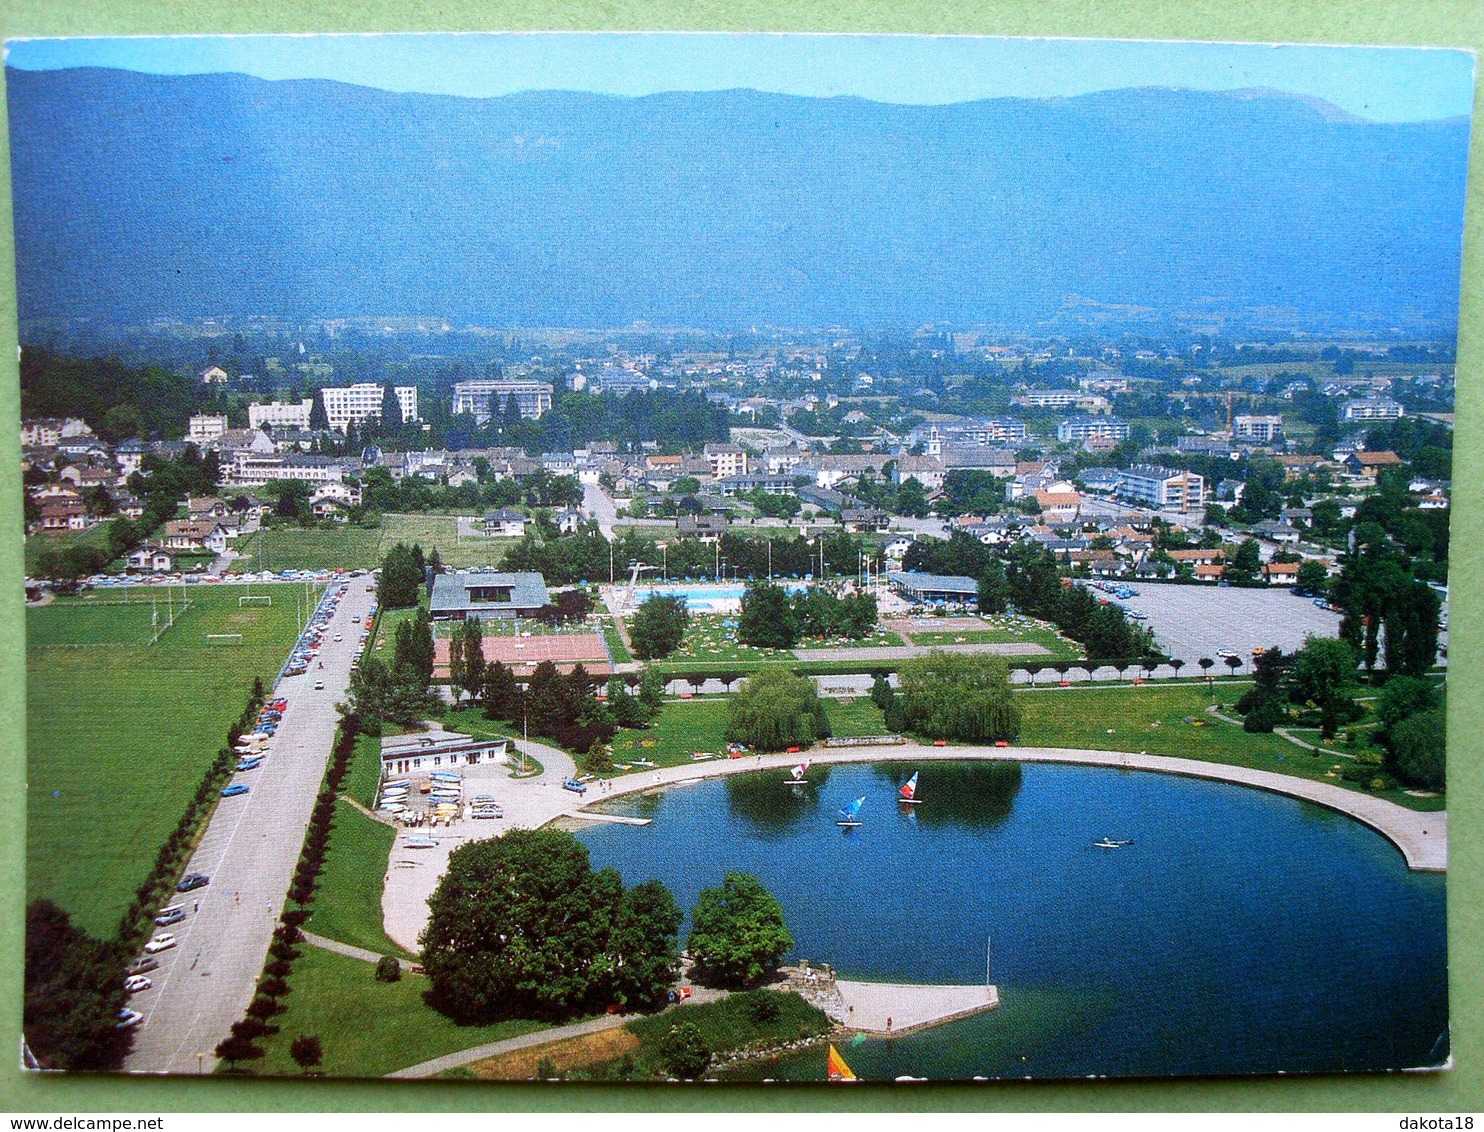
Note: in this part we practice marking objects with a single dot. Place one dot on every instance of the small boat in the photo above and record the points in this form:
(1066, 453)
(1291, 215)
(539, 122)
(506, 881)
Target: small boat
(850, 815)
(907, 795)
(1109, 843)
(444, 776)
(401, 783)
(419, 843)
(796, 776)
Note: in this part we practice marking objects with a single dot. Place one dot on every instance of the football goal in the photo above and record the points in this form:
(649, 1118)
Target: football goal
(223, 638)
(250, 599)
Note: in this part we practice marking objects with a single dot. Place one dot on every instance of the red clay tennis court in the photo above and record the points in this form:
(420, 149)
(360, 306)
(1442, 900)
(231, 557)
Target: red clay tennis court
(565, 650)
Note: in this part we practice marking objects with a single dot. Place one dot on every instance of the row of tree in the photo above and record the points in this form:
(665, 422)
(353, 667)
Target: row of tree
(772, 618)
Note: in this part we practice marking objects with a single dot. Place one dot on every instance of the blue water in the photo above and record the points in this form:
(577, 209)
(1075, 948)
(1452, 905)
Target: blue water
(704, 598)
(1242, 932)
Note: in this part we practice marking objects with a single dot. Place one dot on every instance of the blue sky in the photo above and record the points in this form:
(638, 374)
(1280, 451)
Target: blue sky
(1384, 84)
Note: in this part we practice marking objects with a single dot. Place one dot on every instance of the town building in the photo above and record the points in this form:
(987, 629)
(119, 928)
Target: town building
(926, 470)
(1075, 430)
(929, 589)
(488, 397)
(1163, 489)
(424, 751)
(487, 594)
(1369, 465)
(206, 428)
(505, 523)
(725, 459)
(350, 404)
(1374, 409)
(214, 375)
(282, 414)
(1264, 428)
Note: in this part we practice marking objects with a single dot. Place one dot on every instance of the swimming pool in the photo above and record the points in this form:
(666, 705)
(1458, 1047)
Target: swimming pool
(710, 597)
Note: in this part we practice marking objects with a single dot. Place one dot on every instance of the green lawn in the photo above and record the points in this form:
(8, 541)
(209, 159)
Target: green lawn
(687, 726)
(347, 905)
(1162, 719)
(295, 548)
(367, 1028)
(37, 544)
(365, 771)
(118, 736)
(1156, 718)
(618, 652)
(711, 639)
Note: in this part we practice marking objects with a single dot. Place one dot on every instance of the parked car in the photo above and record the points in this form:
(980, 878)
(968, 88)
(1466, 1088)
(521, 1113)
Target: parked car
(170, 916)
(235, 789)
(192, 880)
(319, 685)
(162, 942)
(249, 764)
(136, 983)
(128, 1019)
(142, 964)
(576, 787)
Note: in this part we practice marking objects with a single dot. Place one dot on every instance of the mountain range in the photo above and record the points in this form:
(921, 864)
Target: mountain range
(141, 197)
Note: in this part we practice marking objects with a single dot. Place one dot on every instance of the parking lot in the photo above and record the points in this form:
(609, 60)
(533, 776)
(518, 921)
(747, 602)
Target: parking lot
(1191, 622)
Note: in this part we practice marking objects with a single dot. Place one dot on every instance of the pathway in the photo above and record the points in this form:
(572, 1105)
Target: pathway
(448, 1061)
(350, 951)
(899, 1008)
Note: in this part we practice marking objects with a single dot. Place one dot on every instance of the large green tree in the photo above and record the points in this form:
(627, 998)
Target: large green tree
(522, 927)
(767, 619)
(776, 709)
(1324, 674)
(737, 932)
(73, 993)
(958, 696)
(658, 626)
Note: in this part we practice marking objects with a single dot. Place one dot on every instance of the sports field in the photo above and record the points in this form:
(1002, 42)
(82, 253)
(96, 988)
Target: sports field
(295, 548)
(119, 733)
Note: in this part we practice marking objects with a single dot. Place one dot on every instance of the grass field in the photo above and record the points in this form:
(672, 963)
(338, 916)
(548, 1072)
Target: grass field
(1154, 718)
(295, 548)
(367, 1028)
(119, 735)
(36, 545)
(1164, 719)
(347, 905)
(711, 638)
(687, 726)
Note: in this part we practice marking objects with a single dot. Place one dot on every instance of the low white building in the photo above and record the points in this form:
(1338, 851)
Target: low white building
(426, 751)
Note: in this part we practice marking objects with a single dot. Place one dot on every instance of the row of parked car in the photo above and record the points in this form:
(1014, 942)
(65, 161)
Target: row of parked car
(252, 750)
(306, 650)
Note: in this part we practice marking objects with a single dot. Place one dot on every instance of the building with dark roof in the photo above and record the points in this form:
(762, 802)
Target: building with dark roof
(487, 594)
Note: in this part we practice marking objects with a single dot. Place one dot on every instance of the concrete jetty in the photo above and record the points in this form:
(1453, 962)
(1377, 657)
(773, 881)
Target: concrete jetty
(893, 1009)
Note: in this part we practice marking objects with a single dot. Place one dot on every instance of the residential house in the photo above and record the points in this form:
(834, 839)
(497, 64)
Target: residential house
(1280, 573)
(1368, 466)
(707, 528)
(186, 534)
(1275, 531)
(569, 522)
(151, 560)
(864, 520)
(505, 523)
(725, 460)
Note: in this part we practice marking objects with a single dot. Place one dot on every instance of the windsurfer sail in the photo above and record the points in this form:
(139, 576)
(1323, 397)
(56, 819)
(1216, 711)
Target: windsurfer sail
(835, 1067)
(850, 815)
(798, 773)
(907, 795)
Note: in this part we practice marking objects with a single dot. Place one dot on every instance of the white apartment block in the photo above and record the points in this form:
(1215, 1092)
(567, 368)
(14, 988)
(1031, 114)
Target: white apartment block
(354, 403)
(1162, 489)
(1262, 428)
(253, 470)
(1079, 429)
(486, 398)
(726, 460)
(1063, 399)
(206, 428)
(1374, 409)
(280, 414)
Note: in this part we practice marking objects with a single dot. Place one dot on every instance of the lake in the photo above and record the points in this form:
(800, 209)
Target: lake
(1241, 932)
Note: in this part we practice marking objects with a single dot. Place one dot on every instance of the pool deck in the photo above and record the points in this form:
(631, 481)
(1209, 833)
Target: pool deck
(529, 803)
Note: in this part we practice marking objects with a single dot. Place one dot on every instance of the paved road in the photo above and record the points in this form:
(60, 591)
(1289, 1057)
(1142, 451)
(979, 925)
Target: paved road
(599, 504)
(249, 850)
